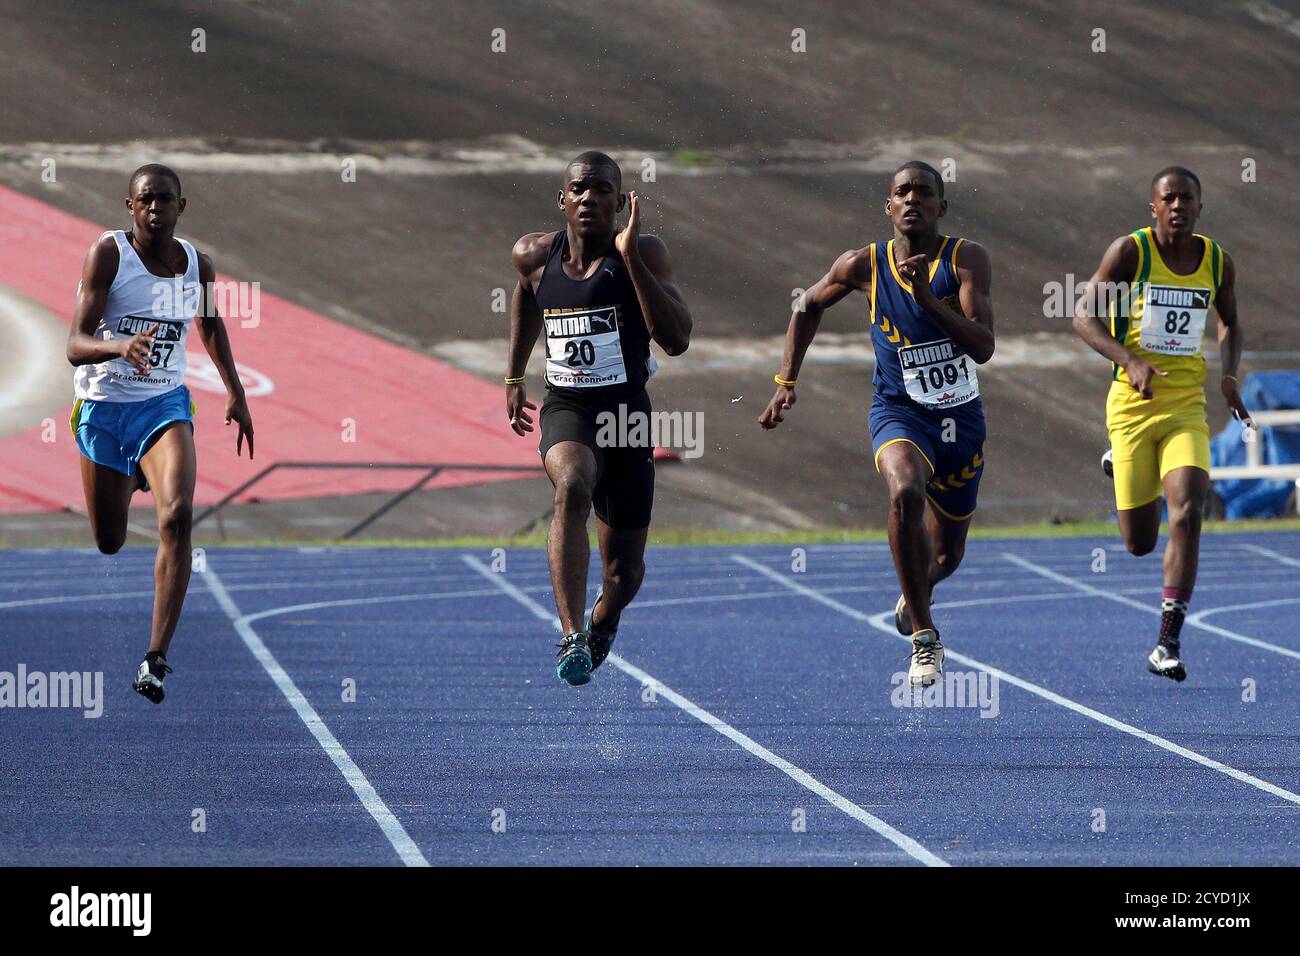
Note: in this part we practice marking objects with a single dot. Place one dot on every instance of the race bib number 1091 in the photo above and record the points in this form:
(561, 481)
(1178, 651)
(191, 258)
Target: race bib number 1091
(583, 349)
(937, 374)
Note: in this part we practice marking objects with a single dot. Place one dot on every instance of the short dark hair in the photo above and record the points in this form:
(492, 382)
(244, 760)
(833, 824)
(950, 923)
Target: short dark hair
(1177, 171)
(594, 157)
(154, 169)
(925, 168)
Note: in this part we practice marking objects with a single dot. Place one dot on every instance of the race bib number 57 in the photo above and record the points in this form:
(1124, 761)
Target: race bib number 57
(1173, 319)
(937, 374)
(166, 336)
(583, 348)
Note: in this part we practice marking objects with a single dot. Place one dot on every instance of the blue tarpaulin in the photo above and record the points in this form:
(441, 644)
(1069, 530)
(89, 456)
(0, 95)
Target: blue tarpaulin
(1256, 497)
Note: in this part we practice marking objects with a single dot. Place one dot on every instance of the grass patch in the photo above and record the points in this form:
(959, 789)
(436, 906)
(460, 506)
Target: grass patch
(686, 537)
(692, 536)
(690, 157)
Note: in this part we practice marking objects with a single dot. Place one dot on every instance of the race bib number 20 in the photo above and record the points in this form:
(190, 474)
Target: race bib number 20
(583, 348)
(1173, 319)
(937, 374)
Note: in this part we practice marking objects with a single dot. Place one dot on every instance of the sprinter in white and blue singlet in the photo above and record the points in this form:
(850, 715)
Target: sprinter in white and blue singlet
(140, 293)
(599, 295)
(931, 325)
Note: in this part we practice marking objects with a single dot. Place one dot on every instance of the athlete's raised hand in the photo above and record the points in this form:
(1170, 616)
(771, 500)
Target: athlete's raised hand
(1140, 375)
(916, 270)
(516, 403)
(1232, 394)
(781, 403)
(237, 411)
(626, 240)
(138, 348)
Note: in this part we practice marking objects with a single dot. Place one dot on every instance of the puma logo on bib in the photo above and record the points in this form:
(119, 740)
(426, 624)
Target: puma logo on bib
(1173, 319)
(938, 374)
(583, 349)
(165, 339)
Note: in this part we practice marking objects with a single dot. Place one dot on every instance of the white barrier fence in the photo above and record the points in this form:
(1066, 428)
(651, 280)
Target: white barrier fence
(1255, 467)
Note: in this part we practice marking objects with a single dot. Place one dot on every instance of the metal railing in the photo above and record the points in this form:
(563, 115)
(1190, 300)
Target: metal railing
(429, 471)
(1255, 467)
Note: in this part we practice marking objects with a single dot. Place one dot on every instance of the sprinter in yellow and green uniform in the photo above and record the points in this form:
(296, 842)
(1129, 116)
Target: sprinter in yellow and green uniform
(1157, 286)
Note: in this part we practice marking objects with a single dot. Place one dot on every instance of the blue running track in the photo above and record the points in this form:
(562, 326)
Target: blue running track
(749, 714)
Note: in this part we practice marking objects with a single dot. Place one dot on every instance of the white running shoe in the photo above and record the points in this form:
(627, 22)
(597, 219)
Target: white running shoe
(1164, 661)
(927, 659)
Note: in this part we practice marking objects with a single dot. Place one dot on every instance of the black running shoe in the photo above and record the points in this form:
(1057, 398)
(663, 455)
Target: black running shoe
(573, 662)
(149, 678)
(1164, 661)
(600, 639)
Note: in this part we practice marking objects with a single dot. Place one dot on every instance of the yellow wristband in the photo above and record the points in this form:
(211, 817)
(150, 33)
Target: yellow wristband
(514, 381)
(783, 383)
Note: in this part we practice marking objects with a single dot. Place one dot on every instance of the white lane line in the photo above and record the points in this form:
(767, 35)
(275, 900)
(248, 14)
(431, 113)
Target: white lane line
(484, 592)
(1098, 592)
(350, 602)
(1200, 615)
(231, 588)
(884, 622)
(70, 598)
(406, 849)
(1270, 553)
(847, 589)
(799, 776)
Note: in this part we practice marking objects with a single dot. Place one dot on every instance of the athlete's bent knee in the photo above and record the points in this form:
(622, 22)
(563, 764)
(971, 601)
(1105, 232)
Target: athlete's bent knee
(907, 500)
(1138, 547)
(110, 542)
(572, 494)
(624, 575)
(175, 519)
(1185, 515)
(950, 557)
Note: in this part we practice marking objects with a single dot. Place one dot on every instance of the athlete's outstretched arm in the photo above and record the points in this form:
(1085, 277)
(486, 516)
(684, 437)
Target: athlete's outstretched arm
(212, 332)
(972, 328)
(1231, 340)
(1116, 271)
(97, 274)
(851, 271)
(662, 303)
(529, 255)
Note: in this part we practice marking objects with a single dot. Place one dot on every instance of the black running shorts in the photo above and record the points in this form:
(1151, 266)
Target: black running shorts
(625, 473)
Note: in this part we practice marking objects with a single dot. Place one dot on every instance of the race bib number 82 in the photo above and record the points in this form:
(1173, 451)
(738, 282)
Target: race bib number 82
(1173, 319)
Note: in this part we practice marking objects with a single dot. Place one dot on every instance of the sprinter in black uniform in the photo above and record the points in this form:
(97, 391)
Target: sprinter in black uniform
(599, 295)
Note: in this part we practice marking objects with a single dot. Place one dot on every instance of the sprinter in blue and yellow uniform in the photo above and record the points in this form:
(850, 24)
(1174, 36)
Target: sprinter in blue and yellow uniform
(1164, 279)
(931, 325)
